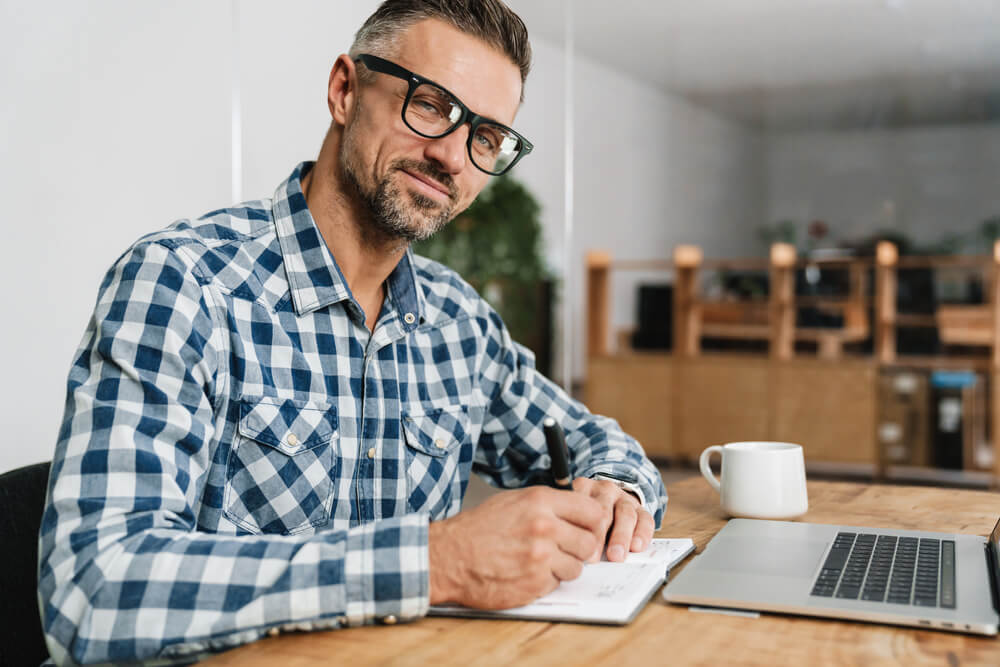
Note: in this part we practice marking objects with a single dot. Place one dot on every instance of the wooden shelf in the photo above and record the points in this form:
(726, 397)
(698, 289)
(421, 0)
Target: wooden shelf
(632, 353)
(942, 363)
(977, 478)
(945, 262)
(681, 401)
(736, 331)
(845, 335)
(915, 321)
(828, 301)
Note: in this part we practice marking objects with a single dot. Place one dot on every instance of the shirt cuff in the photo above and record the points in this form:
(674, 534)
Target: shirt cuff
(386, 571)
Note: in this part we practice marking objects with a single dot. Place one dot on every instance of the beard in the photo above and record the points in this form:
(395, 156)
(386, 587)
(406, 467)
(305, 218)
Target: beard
(394, 213)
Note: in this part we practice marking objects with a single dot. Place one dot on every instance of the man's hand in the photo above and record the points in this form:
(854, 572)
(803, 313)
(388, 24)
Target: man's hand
(631, 526)
(515, 547)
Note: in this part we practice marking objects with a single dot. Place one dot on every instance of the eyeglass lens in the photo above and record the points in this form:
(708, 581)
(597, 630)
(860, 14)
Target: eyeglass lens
(432, 112)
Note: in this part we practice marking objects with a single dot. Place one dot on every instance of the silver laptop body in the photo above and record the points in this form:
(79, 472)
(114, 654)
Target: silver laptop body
(792, 568)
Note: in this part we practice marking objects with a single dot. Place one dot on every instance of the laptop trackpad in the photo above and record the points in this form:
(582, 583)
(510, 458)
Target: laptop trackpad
(777, 557)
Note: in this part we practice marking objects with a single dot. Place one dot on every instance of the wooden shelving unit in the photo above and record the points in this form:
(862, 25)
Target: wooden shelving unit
(679, 402)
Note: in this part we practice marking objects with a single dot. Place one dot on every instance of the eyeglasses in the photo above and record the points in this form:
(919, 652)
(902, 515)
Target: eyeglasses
(433, 112)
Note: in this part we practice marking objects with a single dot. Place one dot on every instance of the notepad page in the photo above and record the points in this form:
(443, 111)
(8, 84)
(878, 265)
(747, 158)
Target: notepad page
(605, 591)
(661, 550)
(604, 583)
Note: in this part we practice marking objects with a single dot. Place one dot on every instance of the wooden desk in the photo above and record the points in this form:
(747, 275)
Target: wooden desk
(665, 633)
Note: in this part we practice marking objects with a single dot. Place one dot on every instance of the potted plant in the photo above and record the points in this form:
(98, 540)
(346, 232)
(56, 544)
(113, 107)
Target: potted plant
(496, 245)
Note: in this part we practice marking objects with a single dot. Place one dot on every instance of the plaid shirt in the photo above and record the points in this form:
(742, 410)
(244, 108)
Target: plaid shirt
(240, 454)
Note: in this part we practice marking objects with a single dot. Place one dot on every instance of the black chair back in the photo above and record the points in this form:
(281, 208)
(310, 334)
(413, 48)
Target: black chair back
(22, 498)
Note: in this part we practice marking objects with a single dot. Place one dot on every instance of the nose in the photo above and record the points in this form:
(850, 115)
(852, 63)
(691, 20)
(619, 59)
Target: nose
(450, 151)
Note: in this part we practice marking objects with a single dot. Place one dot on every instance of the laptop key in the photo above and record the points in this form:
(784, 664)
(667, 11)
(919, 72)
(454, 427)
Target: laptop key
(848, 592)
(837, 558)
(948, 574)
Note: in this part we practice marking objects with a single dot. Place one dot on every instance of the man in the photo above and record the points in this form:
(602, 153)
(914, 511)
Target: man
(276, 408)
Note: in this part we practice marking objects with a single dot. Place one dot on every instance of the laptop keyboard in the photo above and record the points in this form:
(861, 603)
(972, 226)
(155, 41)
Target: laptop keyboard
(886, 568)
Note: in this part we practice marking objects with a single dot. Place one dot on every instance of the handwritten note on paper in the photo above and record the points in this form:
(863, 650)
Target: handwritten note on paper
(604, 592)
(599, 581)
(607, 581)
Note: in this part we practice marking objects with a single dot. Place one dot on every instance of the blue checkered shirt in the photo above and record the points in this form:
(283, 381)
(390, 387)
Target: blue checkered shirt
(240, 454)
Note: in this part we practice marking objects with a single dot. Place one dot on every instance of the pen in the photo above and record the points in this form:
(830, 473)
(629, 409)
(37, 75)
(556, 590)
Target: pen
(561, 476)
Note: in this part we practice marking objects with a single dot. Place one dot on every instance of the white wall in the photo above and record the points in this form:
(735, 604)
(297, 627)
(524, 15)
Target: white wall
(115, 118)
(924, 182)
(118, 121)
(650, 171)
(653, 171)
(287, 51)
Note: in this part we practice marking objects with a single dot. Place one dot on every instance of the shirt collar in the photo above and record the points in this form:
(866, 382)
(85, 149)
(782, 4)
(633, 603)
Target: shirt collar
(314, 278)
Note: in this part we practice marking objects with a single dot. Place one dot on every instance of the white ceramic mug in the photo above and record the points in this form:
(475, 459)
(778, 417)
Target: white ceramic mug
(760, 480)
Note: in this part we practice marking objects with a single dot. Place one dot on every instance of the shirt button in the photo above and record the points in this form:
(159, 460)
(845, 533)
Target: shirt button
(439, 443)
(389, 620)
(292, 440)
(409, 318)
(371, 453)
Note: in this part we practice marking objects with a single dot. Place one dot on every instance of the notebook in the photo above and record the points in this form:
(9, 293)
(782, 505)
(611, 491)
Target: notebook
(604, 593)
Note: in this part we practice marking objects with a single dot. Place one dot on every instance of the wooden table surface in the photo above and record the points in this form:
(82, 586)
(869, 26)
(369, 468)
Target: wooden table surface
(665, 633)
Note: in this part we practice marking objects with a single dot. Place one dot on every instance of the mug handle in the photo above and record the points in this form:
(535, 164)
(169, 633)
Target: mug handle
(706, 470)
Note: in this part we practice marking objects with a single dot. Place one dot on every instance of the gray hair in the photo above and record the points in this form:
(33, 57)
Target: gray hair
(491, 21)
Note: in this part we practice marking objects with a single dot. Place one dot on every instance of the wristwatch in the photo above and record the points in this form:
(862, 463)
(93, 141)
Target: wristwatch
(622, 482)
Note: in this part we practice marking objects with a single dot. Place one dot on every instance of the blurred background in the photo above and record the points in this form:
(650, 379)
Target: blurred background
(693, 247)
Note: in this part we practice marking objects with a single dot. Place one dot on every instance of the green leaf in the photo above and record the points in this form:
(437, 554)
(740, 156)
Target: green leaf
(496, 245)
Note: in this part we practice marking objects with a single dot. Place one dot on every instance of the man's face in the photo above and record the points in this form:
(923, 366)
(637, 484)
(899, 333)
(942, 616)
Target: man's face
(412, 185)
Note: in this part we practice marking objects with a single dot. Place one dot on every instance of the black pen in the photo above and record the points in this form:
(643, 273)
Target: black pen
(562, 478)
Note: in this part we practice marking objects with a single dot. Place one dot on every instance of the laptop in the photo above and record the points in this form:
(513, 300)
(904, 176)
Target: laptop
(901, 577)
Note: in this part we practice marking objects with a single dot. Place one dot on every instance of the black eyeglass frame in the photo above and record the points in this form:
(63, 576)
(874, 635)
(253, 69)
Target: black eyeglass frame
(383, 66)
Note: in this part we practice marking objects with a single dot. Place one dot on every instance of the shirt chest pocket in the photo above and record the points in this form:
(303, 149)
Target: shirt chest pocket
(279, 477)
(438, 457)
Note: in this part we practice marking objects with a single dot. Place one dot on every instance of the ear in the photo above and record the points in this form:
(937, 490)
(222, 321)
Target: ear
(342, 88)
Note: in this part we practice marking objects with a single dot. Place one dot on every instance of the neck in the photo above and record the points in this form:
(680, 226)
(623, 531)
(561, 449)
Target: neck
(365, 256)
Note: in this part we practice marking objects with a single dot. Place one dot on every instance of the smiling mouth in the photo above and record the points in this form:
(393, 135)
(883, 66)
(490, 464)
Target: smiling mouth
(428, 186)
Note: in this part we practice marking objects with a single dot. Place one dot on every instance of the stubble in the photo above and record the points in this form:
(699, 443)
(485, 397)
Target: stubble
(391, 213)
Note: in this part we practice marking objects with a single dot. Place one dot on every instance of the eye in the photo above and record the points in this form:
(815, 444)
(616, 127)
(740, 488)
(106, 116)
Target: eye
(426, 106)
(486, 142)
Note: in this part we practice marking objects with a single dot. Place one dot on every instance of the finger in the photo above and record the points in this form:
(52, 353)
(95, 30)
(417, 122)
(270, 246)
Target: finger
(644, 528)
(575, 541)
(566, 567)
(623, 529)
(577, 508)
(607, 494)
